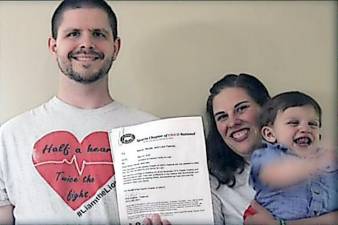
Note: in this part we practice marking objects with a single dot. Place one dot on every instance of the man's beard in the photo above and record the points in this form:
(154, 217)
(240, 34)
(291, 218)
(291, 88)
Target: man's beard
(67, 69)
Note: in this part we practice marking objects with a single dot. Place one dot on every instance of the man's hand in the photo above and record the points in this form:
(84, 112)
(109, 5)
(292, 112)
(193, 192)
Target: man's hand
(6, 214)
(155, 219)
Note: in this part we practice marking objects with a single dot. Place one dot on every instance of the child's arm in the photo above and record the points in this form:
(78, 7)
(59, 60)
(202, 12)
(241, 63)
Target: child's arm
(291, 170)
(288, 171)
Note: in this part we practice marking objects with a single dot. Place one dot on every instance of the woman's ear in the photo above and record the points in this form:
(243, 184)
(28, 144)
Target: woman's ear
(268, 134)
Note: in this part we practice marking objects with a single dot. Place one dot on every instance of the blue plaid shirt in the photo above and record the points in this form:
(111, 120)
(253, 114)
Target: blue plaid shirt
(316, 196)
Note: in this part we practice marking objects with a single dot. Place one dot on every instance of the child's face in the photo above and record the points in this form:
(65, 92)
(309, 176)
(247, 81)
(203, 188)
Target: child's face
(298, 129)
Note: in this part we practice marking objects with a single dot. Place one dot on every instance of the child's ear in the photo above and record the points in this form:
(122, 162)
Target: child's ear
(268, 134)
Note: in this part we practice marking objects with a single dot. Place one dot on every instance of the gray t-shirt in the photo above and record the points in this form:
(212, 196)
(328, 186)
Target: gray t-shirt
(56, 165)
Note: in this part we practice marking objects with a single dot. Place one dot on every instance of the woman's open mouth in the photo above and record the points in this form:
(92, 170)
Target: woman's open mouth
(240, 135)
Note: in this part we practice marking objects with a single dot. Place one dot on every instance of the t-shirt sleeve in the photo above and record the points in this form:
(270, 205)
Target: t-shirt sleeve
(3, 195)
(217, 210)
(4, 200)
(217, 206)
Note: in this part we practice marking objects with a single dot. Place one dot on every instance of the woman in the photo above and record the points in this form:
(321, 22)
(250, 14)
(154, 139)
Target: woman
(233, 108)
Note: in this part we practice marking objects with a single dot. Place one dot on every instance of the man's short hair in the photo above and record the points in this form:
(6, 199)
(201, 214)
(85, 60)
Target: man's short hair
(76, 4)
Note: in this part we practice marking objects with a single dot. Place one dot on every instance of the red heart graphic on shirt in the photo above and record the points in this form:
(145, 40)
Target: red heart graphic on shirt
(76, 171)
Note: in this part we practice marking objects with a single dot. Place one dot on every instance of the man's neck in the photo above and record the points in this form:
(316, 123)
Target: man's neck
(85, 96)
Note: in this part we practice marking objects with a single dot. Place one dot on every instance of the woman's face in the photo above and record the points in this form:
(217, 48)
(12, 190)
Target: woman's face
(236, 115)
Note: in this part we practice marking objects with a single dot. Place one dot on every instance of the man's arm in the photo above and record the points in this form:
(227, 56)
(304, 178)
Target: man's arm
(6, 214)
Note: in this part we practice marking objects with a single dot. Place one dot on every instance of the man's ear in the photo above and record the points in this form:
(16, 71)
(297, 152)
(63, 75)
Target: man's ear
(268, 134)
(117, 46)
(52, 45)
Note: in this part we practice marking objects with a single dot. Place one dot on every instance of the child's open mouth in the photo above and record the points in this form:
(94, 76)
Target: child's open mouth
(303, 141)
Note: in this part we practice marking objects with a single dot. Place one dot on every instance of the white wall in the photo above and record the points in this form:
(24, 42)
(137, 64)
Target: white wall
(173, 51)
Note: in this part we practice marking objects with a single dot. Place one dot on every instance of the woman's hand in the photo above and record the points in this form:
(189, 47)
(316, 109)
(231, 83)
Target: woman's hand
(261, 217)
(155, 219)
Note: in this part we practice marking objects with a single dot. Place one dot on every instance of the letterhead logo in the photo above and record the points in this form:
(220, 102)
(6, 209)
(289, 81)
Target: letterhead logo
(127, 138)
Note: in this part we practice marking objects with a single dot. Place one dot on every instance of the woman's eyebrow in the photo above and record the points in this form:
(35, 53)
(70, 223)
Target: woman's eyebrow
(219, 113)
(239, 103)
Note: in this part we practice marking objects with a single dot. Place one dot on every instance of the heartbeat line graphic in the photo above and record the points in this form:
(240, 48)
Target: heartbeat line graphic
(74, 161)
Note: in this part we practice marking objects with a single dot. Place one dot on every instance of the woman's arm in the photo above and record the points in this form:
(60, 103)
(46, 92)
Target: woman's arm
(217, 210)
(263, 217)
(326, 219)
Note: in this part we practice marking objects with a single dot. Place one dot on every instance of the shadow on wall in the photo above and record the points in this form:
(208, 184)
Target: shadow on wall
(185, 60)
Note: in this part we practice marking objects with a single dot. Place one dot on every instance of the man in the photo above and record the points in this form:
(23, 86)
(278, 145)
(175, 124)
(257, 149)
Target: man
(55, 160)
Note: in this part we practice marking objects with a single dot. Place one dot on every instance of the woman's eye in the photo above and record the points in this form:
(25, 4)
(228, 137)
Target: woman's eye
(241, 108)
(221, 118)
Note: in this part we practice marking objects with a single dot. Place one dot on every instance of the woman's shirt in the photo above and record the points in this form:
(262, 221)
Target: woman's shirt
(229, 204)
